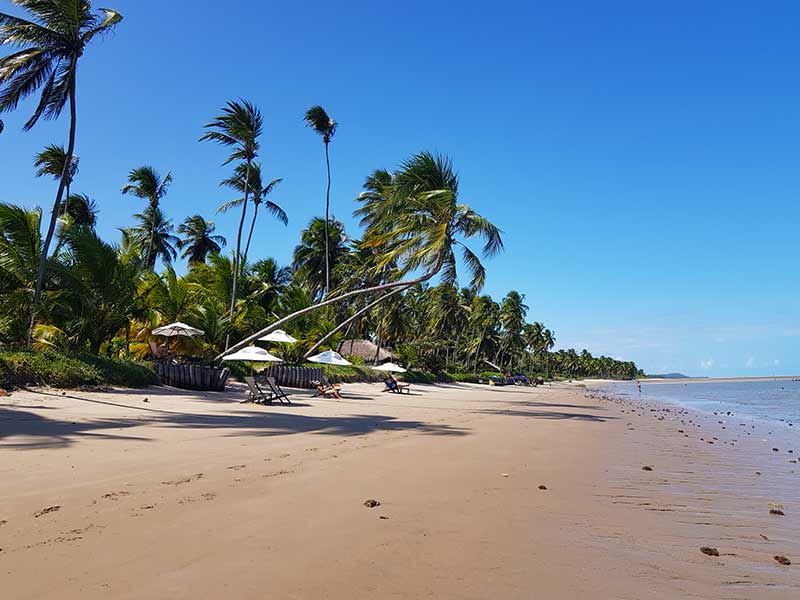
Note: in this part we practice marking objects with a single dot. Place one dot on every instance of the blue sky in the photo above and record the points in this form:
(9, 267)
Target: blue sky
(641, 160)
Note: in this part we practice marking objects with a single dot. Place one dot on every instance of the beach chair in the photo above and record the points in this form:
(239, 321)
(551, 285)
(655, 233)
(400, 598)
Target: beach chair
(330, 392)
(396, 387)
(159, 352)
(328, 384)
(325, 388)
(277, 392)
(257, 395)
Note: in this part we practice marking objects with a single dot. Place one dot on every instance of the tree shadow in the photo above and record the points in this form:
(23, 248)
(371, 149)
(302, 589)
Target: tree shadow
(40, 432)
(548, 414)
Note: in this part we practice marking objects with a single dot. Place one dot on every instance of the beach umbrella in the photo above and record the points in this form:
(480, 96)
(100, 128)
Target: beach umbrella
(279, 335)
(391, 367)
(329, 357)
(253, 354)
(177, 328)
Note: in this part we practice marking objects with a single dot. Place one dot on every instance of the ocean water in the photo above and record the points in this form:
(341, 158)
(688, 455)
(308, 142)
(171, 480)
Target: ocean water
(774, 401)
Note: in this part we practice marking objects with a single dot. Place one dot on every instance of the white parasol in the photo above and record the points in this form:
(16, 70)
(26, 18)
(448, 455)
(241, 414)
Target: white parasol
(177, 328)
(252, 354)
(329, 357)
(279, 335)
(391, 367)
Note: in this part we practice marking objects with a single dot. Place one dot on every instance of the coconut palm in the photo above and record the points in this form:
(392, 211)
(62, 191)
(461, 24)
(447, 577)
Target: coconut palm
(20, 247)
(80, 211)
(317, 243)
(418, 225)
(317, 119)
(104, 284)
(199, 240)
(238, 127)
(512, 315)
(260, 193)
(146, 183)
(152, 237)
(53, 161)
(53, 38)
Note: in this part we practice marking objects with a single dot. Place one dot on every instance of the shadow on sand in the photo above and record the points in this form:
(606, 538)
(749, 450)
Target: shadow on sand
(36, 431)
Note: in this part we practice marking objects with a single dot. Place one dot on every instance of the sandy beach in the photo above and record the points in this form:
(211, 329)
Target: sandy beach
(162, 493)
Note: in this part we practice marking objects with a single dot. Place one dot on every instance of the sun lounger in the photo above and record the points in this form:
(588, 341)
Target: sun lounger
(328, 384)
(325, 388)
(277, 392)
(257, 395)
(396, 387)
(328, 392)
(159, 352)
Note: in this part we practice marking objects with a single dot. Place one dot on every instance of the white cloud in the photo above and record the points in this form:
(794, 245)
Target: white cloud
(707, 364)
(751, 362)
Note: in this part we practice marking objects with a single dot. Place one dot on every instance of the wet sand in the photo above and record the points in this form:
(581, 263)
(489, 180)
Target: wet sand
(195, 495)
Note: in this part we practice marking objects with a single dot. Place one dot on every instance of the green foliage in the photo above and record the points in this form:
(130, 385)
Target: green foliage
(71, 370)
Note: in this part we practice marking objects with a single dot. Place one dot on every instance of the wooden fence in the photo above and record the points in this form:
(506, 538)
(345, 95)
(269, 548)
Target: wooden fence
(296, 377)
(192, 377)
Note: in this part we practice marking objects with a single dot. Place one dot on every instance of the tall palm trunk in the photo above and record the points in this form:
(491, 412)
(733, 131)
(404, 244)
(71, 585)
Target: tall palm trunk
(237, 256)
(151, 261)
(37, 290)
(250, 235)
(327, 211)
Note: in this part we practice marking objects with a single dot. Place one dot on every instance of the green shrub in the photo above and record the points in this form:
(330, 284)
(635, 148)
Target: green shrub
(464, 377)
(71, 370)
(418, 377)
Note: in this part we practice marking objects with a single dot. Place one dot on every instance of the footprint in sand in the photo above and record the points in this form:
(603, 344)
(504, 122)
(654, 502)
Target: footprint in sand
(207, 496)
(237, 467)
(189, 479)
(115, 495)
(44, 511)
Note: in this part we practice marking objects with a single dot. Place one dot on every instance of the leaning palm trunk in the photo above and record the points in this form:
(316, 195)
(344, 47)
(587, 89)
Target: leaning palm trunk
(37, 290)
(350, 320)
(378, 288)
(237, 256)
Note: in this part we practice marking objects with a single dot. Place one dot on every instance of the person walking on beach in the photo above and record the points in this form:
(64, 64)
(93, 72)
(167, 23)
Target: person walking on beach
(639, 386)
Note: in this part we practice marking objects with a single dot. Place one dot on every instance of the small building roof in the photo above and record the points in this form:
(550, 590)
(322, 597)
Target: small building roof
(364, 349)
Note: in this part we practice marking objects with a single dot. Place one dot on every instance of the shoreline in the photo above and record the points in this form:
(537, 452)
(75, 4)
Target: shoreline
(719, 379)
(196, 495)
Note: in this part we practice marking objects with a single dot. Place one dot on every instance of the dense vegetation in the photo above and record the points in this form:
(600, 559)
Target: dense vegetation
(396, 282)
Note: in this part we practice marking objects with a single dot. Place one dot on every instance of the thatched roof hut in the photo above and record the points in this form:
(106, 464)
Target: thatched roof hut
(364, 349)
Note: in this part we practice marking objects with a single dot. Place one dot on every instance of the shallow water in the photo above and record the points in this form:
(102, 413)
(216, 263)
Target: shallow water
(774, 401)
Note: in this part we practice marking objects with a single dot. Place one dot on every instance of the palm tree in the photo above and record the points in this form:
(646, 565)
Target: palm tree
(512, 316)
(20, 247)
(417, 225)
(52, 41)
(317, 119)
(53, 161)
(317, 243)
(104, 284)
(146, 183)
(199, 239)
(238, 127)
(152, 237)
(80, 211)
(259, 191)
